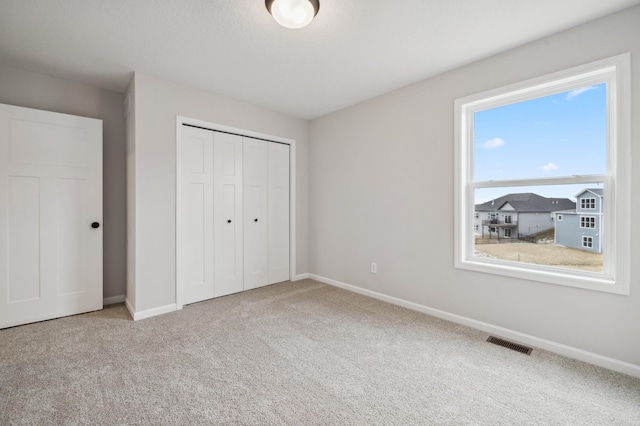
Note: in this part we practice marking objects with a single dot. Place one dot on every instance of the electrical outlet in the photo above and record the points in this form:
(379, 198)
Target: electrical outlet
(374, 268)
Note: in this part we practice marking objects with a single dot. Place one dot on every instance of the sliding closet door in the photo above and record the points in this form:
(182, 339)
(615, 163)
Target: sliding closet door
(256, 266)
(195, 230)
(227, 213)
(278, 158)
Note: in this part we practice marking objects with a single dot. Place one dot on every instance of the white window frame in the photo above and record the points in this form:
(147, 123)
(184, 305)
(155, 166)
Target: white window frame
(615, 278)
(588, 203)
(587, 242)
(559, 217)
(588, 220)
(505, 232)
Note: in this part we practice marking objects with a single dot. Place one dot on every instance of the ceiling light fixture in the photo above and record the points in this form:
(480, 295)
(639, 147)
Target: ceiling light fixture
(293, 13)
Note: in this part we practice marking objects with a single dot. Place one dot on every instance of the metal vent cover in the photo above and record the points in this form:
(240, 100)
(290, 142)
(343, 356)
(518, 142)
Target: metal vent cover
(510, 345)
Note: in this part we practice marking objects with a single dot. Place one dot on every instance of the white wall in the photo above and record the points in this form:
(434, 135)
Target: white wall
(157, 103)
(381, 187)
(40, 91)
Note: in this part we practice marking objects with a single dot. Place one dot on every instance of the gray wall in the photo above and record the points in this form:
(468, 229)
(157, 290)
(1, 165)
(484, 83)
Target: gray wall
(532, 223)
(381, 186)
(599, 204)
(39, 91)
(157, 102)
(569, 233)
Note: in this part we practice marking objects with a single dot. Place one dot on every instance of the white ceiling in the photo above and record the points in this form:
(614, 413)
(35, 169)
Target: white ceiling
(352, 51)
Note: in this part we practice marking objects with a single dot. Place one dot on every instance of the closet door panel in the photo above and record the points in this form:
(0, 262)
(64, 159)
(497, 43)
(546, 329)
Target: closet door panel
(228, 198)
(256, 266)
(278, 194)
(195, 260)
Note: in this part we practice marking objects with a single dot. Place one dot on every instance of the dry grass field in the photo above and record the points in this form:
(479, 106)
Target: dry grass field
(543, 254)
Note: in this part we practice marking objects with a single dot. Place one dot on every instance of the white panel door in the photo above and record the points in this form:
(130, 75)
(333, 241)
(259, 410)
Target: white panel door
(50, 215)
(227, 213)
(278, 194)
(256, 245)
(195, 268)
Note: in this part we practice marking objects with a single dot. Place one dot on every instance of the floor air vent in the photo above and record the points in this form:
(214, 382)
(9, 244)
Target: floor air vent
(510, 345)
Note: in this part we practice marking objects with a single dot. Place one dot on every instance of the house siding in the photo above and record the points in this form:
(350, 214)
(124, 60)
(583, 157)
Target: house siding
(565, 231)
(570, 234)
(530, 214)
(598, 204)
(533, 223)
(527, 223)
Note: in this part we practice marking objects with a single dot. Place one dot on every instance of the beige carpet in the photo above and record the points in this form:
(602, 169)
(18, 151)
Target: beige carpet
(293, 353)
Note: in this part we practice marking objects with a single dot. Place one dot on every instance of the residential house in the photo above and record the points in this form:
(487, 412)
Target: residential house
(581, 227)
(520, 214)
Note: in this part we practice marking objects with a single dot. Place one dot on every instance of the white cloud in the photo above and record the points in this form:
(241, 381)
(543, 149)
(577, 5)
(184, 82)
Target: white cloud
(493, 143)
(549, 167)
(575, 93)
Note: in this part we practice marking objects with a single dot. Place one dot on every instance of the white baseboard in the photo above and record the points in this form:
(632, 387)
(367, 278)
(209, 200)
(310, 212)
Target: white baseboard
(559, 348)
(300, 277)
(113, 300)
(149, 312)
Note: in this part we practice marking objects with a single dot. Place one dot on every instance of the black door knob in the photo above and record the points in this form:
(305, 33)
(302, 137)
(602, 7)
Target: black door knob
(229, 221)
(95, 225)
(255, 220)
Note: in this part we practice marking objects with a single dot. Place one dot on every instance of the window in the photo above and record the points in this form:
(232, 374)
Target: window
(588, 203)
(541, 144)
(587, 222)
(507, 233)
(475, 216)
(587, 242)
(493, 216)
(507, 219)
(476, 228)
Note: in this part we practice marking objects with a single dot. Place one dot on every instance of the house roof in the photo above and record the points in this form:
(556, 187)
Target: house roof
(595, 191)
(527, 202)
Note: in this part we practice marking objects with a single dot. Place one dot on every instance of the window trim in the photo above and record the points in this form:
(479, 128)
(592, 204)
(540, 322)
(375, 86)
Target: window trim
(589, 220)
(588, 240)
(616, 72)
(588, 203)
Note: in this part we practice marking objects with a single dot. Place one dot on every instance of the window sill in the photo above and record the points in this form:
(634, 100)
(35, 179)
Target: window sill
(546, 275)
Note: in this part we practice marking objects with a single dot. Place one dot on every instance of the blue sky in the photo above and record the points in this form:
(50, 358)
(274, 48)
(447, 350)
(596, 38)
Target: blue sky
(557, 135)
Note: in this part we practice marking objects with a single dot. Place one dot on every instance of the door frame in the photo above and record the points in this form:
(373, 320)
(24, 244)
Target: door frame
(182, 120)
